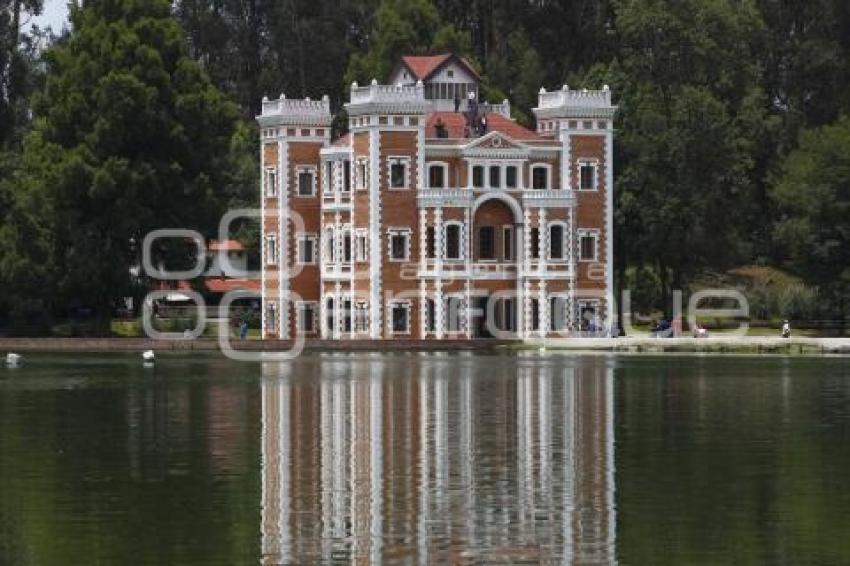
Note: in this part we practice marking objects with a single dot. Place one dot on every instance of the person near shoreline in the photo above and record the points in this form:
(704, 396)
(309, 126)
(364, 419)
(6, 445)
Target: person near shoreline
(786, 329)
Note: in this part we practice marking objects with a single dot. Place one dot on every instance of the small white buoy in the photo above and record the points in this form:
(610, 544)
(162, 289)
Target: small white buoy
(13, 359)
(148, 356)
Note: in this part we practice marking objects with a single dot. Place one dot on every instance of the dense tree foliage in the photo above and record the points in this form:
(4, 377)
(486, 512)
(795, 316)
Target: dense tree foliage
(130, 136)
(713, 94)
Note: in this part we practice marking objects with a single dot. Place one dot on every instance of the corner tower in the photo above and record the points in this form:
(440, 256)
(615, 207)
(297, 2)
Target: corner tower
(582, 121)
(292, 133)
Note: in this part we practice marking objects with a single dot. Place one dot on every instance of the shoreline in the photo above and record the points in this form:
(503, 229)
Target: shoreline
(717, 345)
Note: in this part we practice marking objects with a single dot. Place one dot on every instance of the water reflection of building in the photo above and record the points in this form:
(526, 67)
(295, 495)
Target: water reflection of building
(429, 459)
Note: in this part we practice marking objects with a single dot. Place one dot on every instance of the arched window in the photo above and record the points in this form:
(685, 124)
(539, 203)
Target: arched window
(453, 241)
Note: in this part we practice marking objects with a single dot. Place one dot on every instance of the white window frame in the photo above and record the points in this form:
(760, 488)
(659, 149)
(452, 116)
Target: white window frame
(328, 244)
(589, 163)
(360, 317)
(328, 187)
(461, 241)
(548, 168)
(271, 314)
(361, 174)
(582, 233)
(271, 255)
(390, 307)
(518, 177)
(361, 245)
(484, 181)
(509, 231)
(394, 160)
(342, 166)
(439, 165)
(299, 240)
(391, 232)
(564, 241)
(299, 170)
(345, 231)
(299, 315)
(271, 182)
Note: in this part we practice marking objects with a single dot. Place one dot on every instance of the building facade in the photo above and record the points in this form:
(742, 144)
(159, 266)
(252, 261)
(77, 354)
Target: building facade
(437, 216)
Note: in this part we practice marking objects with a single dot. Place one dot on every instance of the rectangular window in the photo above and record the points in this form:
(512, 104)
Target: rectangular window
(361, 246)
(587, 177)
(400, 318)
(478, 176)
(587, 244)
(535, 315)
(346, 247)
(486, 243)
(306, 249)
(452, 241)
(399, 244)
(306, 183)
(346, 315)
(361, 317)
(271, 317)
(398, 172)
(556, 242)
(454, 314)
(534, 243)
(328, 189)
(271, 249)
(307, 317)
(430, 316)
(558, 313)
(430, 242)
(510, 177)
(361, 175)
(436, 177)
(495, 176)
(539, 178)
(346, 176)
(508, 243)
(271, 182)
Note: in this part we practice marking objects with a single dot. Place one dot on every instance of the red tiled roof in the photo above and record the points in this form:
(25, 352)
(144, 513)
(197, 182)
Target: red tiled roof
(225, 246)
(223, 285)
(423, 66)
(455, 123)
(342, 141)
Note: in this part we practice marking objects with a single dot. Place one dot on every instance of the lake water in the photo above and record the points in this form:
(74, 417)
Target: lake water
(425, 459)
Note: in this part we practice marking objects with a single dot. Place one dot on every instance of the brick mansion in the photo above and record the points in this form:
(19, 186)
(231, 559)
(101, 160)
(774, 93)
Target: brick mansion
(437, 216)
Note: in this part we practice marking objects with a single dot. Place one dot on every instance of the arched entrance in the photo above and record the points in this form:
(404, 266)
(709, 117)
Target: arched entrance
(495, 250)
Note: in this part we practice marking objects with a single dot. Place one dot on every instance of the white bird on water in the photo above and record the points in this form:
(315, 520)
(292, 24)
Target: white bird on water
(13, 359)
(148, 356)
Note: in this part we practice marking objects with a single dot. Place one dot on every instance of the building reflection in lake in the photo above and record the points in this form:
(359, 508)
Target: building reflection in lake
(437, 459)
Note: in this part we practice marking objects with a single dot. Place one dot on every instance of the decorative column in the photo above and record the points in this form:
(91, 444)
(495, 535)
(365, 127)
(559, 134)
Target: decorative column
(543, 238)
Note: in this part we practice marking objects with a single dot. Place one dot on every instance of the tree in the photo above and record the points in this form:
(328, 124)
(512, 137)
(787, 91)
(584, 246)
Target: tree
(129, 136)
(813, 197)
(16, 63)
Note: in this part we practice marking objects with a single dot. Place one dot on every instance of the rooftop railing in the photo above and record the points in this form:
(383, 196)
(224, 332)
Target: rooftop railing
(576, 98)
(387, 93)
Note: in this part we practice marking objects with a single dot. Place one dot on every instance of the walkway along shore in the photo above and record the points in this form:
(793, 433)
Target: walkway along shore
(732, 345)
